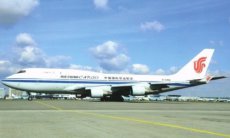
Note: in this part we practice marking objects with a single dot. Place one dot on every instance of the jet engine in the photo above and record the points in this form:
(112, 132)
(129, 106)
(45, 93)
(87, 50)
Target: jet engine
(99, 92)
(138, 90)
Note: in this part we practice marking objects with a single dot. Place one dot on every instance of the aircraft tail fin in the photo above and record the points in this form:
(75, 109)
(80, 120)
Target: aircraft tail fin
(197, 67)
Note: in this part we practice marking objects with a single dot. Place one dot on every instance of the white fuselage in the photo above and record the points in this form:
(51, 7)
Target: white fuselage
(101, 85)
(62, 80)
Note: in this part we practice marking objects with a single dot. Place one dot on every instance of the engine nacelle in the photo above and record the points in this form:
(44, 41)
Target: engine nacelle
(138, 90)
(99, 92)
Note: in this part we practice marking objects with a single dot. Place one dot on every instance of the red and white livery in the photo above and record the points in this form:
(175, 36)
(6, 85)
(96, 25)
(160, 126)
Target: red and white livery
(110, 86)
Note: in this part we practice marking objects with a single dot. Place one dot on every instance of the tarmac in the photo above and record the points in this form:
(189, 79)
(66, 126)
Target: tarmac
(85, 119)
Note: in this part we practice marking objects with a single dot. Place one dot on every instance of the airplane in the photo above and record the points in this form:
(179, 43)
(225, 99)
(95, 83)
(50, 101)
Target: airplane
(84, 83)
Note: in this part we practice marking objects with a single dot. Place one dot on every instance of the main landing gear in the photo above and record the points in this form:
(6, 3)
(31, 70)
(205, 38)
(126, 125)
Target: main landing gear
(30, 98)
(112, 98)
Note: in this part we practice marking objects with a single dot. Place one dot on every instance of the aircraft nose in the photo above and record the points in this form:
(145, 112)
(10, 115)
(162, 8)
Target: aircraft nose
(10, 82)
(4, 82)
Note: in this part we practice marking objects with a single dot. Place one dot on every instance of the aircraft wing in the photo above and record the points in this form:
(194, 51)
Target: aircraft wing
(125, 89)
(139, 88)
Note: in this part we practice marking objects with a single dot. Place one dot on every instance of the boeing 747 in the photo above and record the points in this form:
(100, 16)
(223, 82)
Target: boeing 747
(110, 86)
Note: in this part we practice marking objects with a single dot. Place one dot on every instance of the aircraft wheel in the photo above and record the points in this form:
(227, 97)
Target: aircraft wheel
(30, 98)
(103, 99)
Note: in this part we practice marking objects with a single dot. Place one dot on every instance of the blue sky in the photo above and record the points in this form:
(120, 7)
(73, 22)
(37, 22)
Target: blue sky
(143, 37)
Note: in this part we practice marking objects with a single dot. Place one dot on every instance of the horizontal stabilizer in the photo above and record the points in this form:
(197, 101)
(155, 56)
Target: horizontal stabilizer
(218, 77)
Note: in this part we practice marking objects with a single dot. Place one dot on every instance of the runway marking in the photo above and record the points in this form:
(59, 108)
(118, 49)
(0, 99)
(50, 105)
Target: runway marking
(138, 121)
(49, 106)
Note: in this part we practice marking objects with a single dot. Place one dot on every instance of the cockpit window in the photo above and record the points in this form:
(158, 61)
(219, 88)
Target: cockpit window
(22, 71)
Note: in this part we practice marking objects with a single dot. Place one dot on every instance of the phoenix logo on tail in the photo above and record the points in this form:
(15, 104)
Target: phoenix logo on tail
(199, 64)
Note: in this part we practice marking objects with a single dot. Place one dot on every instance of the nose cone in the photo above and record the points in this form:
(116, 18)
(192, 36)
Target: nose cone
(5, 81)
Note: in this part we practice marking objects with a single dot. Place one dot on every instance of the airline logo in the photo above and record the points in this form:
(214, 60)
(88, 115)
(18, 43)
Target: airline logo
(199, 64)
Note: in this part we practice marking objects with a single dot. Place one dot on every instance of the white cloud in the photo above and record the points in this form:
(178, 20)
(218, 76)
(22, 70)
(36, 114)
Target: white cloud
(12, 11)
(213, 61)
(212, 42)
(173, 69)
(101, 4)
(6, 67)
(58, 61)
(160, 72)
(26, 54)
(105, 50)
(74, 66)
(110, 56)
(221, 43)
(216, 43)
(218, 73)
(31, 54)
(116, 63)
(140, 69)
(154, 25)
(24, 39)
